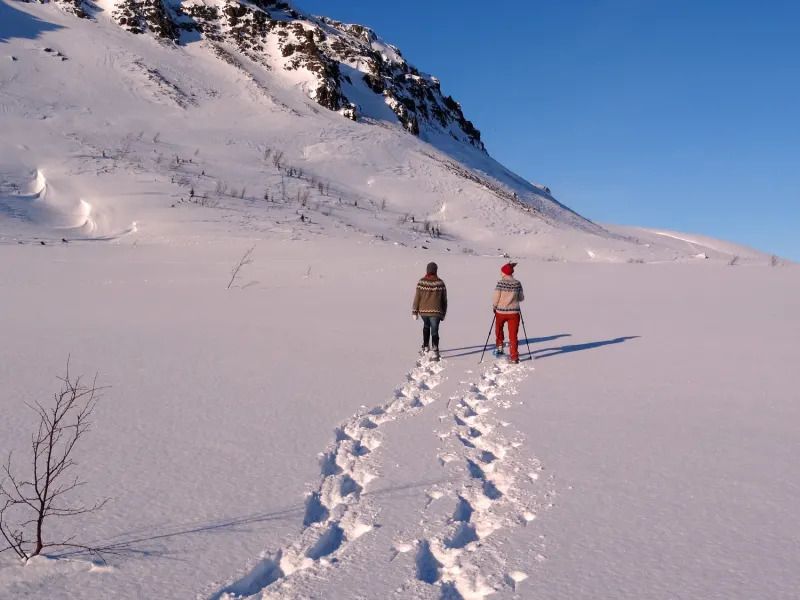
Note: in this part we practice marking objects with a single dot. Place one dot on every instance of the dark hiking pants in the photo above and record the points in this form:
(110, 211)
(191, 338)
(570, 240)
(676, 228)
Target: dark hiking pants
(430, 331)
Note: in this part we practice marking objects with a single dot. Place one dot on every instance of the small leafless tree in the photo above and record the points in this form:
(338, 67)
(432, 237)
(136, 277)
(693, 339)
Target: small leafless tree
(247, 258)
(28, 502)
(277, 158)
(733, 261)
(774, 261)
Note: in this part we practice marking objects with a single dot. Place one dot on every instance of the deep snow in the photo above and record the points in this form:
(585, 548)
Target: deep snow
(282, 438)
(661, 410)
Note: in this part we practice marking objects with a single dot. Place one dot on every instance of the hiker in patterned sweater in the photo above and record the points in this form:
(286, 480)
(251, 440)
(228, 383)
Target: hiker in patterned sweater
(507, 296)
(430, 303)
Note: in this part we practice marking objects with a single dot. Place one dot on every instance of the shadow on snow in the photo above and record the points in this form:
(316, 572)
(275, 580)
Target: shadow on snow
(467, 350)
(15, 23)
(548, 352)
(542, 352)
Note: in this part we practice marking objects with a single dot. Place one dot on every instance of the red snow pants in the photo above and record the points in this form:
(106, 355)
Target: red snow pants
(513, 329)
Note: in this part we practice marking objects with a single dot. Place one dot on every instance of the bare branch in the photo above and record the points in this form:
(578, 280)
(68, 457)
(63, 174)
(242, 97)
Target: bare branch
(34, 500)
(247, 258)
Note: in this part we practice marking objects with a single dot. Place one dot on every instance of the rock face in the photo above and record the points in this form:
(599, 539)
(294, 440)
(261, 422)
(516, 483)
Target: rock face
(344, 68)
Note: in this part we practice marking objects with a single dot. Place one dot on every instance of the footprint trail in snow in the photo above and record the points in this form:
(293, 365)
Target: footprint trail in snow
(459, 558)
(336, 512)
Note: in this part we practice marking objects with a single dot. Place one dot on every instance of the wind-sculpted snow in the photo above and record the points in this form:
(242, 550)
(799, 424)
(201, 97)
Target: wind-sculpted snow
(40, 205)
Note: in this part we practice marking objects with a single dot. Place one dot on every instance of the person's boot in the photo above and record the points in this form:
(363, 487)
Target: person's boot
(498, 351)
(436, 356)
(423, 350)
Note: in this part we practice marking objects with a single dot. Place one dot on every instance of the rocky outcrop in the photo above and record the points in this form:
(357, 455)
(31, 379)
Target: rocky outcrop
(338, 62)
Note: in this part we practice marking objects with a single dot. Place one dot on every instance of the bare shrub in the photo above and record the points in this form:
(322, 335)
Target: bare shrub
(205, 201)
(774, 261)
(247, 258)
(27, 503)
(733, 261)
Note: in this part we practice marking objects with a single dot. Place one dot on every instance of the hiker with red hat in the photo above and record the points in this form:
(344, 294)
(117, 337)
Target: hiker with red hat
(505, 303)
(430, 303)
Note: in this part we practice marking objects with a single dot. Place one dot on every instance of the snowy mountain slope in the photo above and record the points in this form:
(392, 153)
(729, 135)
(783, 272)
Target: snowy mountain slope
(175, 136)
(282, 439)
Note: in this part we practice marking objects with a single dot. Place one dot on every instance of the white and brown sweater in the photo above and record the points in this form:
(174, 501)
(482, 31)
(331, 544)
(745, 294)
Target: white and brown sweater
(431, 297)
(507, 295)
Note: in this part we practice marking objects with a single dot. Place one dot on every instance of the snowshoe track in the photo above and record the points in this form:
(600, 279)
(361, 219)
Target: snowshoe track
(460, 558)
(336, 513)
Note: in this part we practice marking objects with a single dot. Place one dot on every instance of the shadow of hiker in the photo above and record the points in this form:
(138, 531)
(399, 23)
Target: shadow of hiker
(548, 352)
(151, 541)
(478, 349)
(141, 543)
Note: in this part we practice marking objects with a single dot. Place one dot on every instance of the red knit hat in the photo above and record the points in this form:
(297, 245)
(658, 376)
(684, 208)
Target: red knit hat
(508, 269)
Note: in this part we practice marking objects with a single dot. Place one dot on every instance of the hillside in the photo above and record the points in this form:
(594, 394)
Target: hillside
(273, 431)
(172, 115)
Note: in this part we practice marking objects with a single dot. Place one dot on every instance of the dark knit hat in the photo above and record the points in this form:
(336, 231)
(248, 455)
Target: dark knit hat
(508, 268)
(431, 269)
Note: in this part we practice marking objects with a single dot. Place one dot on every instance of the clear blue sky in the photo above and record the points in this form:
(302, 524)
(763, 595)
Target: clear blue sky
(682, 114)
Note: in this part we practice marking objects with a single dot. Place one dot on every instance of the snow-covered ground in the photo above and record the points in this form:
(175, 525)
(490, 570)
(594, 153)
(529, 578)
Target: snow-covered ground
(653, 439)
(282, 439)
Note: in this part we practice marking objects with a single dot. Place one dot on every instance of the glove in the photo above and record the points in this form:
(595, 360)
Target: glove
(415, 315)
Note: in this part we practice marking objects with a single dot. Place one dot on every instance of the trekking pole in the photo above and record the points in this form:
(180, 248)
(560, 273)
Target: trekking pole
(521, 318)
(494, 316)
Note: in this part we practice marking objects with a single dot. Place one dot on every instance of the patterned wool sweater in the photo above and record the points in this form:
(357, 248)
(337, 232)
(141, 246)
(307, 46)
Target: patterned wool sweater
(507, 295)
(431, 297)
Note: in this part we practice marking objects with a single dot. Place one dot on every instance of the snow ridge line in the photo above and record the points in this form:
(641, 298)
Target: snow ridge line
(489, 499)
(335, 512)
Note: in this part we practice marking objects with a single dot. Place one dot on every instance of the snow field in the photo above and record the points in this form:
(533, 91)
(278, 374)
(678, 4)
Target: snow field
(208, 440)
